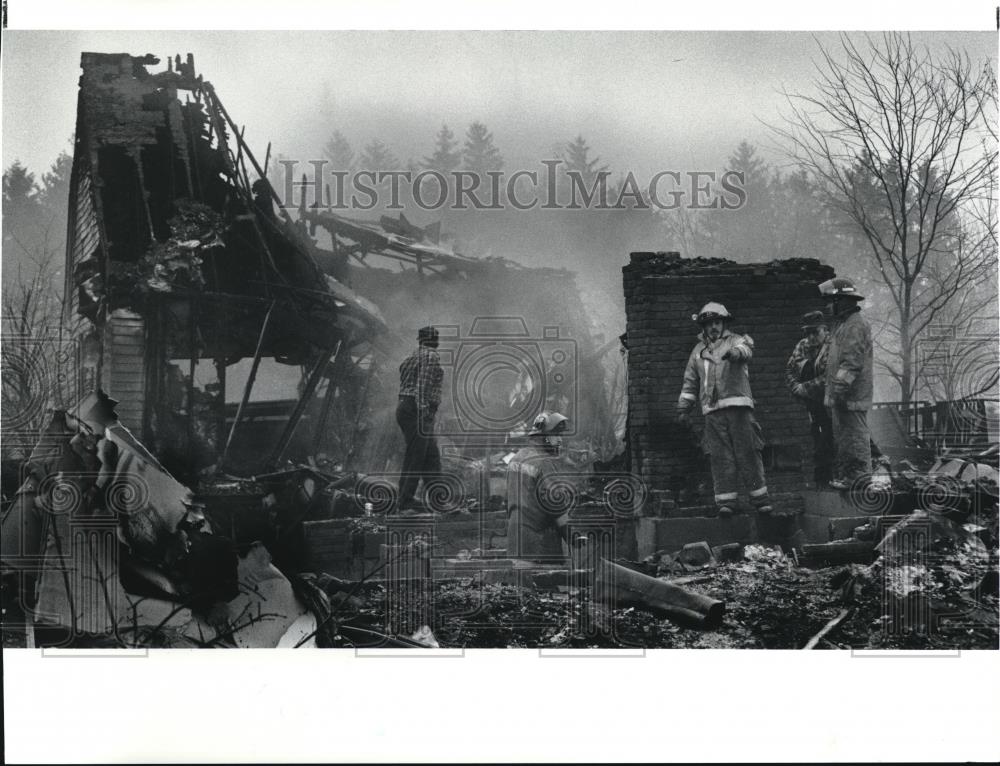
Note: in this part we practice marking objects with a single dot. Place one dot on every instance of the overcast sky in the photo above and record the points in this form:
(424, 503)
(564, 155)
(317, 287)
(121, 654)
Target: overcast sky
(643, 100)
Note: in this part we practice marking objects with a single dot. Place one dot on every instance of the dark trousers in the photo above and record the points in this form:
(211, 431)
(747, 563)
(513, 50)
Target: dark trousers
(421, 459)
(733, 441)
(823, 449)
(854, 452)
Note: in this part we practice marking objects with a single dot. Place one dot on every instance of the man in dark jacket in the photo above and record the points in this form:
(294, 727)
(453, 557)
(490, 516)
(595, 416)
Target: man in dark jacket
(805, 374)
(716, 376)
(849, 382)
(420, 376)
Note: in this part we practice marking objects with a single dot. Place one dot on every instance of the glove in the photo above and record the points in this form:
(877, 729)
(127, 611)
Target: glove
(683, 417)
(728, 355)
(839, 392)
(800, 391)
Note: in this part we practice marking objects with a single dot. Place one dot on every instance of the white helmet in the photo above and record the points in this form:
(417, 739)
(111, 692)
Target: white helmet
(546, 423)
(712, 310)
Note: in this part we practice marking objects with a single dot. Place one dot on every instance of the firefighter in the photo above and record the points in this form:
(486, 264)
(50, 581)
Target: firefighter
(805, 374)
(420, 376)
(717, 376)
(848, 386)
(538, 520)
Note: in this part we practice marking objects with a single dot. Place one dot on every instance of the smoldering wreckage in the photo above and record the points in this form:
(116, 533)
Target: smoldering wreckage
(167, 504)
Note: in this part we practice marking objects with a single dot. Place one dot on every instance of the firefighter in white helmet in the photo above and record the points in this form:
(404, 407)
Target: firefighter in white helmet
(717, 377)
(849, 381)
(536, 496)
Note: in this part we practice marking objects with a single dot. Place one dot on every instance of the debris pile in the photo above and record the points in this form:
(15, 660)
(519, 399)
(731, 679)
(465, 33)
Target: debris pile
(185, 532)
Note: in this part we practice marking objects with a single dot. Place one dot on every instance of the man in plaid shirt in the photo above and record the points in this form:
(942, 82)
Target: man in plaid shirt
(805, 374)
(420, 376)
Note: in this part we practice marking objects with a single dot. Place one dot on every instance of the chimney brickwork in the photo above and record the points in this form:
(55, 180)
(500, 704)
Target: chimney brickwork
(662, 291)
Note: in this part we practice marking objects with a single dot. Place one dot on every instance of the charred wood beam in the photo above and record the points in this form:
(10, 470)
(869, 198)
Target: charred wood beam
(197, 190)
(616, 584)
(300, 407)
(331, 392)
(360, 258)
(827, 629)
(360, 408)
(249, 385)
(253, 161)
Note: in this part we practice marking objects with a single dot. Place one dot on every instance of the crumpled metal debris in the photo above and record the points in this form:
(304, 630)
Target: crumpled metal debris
(123, 551)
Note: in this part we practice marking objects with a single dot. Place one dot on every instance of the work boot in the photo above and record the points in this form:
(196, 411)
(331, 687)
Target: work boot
(765, 510)
(725, 512)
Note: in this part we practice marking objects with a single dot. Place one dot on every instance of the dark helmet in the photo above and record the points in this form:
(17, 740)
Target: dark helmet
(840, 287)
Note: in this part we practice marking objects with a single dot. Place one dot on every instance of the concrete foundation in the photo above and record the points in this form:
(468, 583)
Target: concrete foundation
(807, 517)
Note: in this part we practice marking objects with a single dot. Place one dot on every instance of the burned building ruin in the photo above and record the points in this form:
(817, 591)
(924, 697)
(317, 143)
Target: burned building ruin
(236, 376)
(194, 290)
(662, 291)
(224, 470)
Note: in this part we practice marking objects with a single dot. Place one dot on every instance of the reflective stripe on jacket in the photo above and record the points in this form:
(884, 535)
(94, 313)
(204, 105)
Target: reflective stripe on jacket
(716, 382)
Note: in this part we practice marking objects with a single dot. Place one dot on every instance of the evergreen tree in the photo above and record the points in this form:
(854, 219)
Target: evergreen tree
(338, 150)
(479, 154)
(446, 157)
(377, 156)
(577, 158)
(23, 217)
(20, 192)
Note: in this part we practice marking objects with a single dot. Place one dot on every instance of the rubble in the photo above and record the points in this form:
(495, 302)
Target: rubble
(184, 532)
(621, 585)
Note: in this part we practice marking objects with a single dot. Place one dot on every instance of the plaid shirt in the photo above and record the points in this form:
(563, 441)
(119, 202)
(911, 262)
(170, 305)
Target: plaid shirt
(801, 364)
(807, 365)
(420, 376)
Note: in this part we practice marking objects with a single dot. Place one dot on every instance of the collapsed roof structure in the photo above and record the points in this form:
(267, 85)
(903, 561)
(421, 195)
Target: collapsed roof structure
(177, 263)
(184, 279)
(185, 282)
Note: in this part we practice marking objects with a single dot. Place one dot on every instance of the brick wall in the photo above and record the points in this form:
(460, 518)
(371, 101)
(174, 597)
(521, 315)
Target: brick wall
(662, 291)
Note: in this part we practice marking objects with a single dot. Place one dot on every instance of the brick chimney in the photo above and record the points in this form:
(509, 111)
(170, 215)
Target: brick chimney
(662, 291)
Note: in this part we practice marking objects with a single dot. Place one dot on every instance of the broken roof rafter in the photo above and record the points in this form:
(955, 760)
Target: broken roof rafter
(376, 239)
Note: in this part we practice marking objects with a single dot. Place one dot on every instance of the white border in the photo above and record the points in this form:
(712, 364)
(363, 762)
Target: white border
(502, 705)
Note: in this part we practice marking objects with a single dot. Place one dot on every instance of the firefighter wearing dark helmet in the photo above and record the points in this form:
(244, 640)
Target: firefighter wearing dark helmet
(717, 377)
(848, 391)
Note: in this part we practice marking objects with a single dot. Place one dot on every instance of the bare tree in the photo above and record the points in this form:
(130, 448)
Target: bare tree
(902, 143)
(31, 315)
